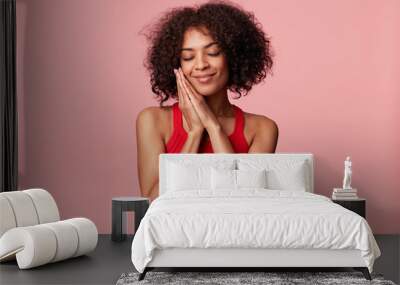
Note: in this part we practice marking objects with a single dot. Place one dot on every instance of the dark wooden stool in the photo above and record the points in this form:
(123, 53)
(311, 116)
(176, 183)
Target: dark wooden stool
(121, 205)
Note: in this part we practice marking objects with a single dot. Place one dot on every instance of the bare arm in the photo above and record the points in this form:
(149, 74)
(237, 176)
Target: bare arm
(149, 146)
(219, 140)
(266, 137)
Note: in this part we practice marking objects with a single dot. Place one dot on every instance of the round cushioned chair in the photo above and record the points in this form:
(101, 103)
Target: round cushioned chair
(32, 233)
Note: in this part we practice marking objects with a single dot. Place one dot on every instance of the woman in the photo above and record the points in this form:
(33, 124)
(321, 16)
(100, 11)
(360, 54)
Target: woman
(196, 56)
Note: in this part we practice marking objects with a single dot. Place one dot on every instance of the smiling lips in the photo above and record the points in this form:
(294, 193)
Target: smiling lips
(204, 79)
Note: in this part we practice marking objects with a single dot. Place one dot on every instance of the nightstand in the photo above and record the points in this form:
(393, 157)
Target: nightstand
(357, 206)
(121, 205)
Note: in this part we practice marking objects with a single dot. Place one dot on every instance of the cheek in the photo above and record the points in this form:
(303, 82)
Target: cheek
(186, 66)
(186, 71)
(223, 68)
(224, 74)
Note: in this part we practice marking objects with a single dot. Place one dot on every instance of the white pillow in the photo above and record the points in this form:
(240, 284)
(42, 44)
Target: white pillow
(237, 179)
(251, 178)
(223, 179)
(281, 174)
(288, 179)
(188, 175)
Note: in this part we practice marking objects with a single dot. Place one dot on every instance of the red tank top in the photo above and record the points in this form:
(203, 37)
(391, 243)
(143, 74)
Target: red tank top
(179, 135)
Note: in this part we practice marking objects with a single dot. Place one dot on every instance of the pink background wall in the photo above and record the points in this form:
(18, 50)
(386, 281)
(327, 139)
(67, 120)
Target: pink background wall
(81, 83)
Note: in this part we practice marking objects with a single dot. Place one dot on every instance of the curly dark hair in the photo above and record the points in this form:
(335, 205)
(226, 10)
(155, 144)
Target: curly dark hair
(238, 33)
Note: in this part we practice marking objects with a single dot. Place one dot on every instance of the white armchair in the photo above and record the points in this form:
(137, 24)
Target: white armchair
(32, 233)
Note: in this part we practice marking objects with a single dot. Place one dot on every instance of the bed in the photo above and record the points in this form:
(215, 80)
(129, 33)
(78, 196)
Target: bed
(247, 210)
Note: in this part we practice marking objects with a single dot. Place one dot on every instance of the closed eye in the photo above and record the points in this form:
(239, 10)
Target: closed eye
(210, 54)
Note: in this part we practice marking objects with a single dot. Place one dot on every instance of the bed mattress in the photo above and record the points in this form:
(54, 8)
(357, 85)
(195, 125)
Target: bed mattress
(250, 219)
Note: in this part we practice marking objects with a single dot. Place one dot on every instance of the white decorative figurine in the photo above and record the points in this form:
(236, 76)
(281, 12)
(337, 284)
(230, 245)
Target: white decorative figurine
(347, 174)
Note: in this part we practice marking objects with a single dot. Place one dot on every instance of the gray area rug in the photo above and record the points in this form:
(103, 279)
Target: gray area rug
(229, 278)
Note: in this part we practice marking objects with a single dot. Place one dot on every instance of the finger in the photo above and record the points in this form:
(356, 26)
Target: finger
(179, 89)
(183, 101)
(185, 91)
(191, 88)
(197, 99)
(193, 91)
(183, 84)
(193, 102)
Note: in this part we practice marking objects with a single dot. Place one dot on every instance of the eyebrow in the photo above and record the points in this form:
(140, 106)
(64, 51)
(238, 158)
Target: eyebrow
(206, 46)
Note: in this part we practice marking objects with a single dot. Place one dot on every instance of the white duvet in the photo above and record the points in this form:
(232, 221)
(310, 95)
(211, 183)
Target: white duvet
(251, 218)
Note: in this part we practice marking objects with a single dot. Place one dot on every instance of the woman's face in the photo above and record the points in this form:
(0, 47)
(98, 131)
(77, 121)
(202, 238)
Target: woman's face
(203, 62)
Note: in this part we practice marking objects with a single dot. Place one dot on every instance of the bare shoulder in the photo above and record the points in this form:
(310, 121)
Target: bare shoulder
(151, 113)
(261, 132)
(256, 122)
(155, 117)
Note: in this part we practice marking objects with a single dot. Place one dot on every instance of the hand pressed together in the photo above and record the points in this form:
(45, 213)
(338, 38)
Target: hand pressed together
(193, 106)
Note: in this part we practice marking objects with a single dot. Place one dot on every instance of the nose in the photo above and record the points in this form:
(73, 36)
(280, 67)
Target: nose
(201, 63)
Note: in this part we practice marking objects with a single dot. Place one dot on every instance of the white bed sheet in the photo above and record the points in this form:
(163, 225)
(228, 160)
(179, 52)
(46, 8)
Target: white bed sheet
(250, 218)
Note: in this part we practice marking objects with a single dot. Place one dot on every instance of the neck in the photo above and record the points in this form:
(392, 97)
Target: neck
(219, 104)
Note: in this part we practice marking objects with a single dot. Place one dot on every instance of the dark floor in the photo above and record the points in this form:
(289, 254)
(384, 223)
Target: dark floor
(111, 259)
